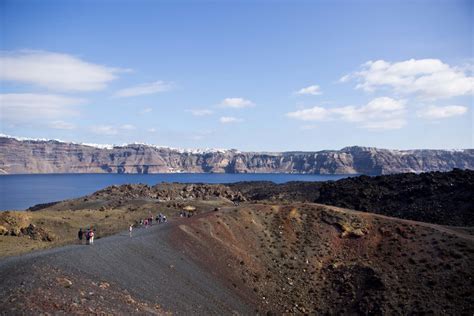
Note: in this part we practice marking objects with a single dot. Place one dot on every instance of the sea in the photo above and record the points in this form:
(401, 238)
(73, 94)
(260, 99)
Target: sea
(19, 192)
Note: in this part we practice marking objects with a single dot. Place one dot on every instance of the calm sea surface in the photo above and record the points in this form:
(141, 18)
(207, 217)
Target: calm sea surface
(18, 192)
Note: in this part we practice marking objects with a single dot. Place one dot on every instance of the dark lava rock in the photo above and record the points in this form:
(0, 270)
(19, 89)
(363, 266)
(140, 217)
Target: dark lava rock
(445, 198)
(169, 192)
(37, 233)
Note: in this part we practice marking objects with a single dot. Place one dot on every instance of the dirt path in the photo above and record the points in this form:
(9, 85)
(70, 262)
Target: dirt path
(145, 265)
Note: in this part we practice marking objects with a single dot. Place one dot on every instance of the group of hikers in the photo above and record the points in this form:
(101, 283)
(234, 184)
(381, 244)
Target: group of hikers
(185, 214)
(88, 235)
(160, 218)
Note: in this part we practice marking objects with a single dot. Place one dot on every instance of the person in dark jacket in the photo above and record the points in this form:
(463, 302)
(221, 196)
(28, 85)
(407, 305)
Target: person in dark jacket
(80, 234)
(88, 236)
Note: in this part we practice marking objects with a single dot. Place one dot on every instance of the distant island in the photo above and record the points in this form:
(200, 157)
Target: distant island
(27, 156)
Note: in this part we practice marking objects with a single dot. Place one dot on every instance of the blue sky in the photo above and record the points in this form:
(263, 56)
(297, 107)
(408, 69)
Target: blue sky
(251, 75)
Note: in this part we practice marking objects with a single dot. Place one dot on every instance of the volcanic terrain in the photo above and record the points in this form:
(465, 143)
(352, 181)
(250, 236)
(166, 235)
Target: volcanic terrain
(249, 250)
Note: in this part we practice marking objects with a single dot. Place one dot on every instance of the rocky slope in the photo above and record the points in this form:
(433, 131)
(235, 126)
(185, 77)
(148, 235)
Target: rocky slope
(445, 198)
(36, 156)
(255, 258)
(309, 259)
(168, 192)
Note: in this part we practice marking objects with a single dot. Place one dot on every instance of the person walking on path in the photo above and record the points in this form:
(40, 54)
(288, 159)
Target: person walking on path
(130, 230)
(91, 237)
(80, 233)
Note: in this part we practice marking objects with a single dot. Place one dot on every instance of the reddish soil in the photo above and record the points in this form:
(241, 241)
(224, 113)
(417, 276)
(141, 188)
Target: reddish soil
(309, 258)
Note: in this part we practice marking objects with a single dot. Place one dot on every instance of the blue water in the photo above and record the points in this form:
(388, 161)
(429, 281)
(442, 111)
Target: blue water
(18, 192)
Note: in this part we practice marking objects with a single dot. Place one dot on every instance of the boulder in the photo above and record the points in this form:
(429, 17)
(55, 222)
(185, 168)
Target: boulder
(64, 282)
(350, 227)
(3, 230)
(37, 233)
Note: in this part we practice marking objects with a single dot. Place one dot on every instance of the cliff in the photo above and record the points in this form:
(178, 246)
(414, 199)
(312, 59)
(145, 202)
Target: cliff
(50, 156)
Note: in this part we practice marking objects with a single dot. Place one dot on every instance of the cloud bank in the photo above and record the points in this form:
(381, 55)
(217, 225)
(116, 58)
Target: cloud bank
(379, 114)
(55, 71)
(427, 78)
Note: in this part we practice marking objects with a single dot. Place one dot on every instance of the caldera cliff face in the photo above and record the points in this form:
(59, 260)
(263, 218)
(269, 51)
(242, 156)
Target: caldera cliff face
(35, 156)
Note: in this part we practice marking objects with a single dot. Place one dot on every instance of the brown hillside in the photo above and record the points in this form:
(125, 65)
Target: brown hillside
(308, 258)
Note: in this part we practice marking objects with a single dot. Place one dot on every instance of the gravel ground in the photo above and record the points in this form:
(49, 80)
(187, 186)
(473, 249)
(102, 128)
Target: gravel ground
(145, 265)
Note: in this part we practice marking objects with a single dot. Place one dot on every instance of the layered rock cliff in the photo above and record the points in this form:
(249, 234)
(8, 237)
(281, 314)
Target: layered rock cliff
(50, 156)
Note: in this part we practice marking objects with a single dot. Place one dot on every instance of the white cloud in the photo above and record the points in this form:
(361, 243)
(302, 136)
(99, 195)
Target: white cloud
(312, 90)
(151, 130)
(428, 78)
(143, 89)
(229, 119)
(345, 78)
(105, 130)
(236, 103)
(441, 112)
(382, 108)
(55, 71)
(127, 127)
(200, 112)
(61, 125)
(22, 107)
(380, 113)
(316, 113)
